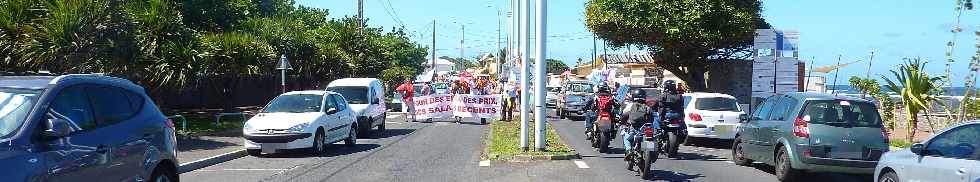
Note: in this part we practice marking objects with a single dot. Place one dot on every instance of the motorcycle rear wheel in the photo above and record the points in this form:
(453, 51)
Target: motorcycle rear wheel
(604, 142)
(646, 162)
(672, 144)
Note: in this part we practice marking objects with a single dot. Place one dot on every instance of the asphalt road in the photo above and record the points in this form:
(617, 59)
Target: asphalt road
(446, 151)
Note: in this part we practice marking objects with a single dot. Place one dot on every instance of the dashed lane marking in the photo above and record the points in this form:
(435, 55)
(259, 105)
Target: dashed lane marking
(581, 164)
(484, 163)
(212, 170)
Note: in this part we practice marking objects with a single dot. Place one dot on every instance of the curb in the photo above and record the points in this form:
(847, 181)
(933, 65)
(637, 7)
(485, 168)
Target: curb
(529, 158)
(198, 164)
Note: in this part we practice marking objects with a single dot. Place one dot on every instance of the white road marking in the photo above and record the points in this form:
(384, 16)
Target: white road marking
(394, 122)
(209, 158)
(581, 164)
(393, 116)
(484, 163)
(212, 170)
(730, 162)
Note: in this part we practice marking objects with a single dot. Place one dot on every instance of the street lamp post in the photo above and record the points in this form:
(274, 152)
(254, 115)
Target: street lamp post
(283, 66)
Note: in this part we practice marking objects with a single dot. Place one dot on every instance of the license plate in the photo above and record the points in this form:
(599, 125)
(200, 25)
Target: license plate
(673, 125)
(272, 147)
(649, 145)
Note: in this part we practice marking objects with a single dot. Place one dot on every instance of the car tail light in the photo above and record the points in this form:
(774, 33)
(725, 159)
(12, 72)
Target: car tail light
(807, 153)
(801, 128)
(694, 116)
(648, 132)
(170, 123)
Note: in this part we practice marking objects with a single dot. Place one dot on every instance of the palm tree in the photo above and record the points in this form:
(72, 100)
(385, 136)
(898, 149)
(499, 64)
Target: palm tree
(918, 91)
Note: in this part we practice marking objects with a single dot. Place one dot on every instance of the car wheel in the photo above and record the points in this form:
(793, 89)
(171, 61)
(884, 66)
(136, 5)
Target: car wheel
(318, 147)
(889, 177)
(738, 157)
(162, 174)
(351, 136)
(254, 152)
(784, 169)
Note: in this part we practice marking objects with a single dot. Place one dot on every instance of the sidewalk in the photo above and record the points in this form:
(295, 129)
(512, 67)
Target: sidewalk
(202, 151)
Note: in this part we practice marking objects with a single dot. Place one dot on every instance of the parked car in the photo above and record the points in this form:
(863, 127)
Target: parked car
(83, 128)
(552, 99)
(301, 120)
(572, 98)
(803, 131)
(949, 156)
(365, 96)
(711, 115)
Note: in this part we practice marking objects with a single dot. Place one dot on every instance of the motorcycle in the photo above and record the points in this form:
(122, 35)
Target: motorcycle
(602, 132)
(644, 153)
(672, 133)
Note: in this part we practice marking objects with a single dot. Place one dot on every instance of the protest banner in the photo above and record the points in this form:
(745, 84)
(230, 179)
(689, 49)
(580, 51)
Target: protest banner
(461, 105)
(477, 106)
(433, 106)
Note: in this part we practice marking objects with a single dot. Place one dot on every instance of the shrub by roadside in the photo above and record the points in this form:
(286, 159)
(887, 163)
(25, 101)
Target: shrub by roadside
(505, 137)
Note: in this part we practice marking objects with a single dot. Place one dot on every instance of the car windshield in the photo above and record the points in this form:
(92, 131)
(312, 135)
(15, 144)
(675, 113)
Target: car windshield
(15, 105)
(295, 103)
(844, 113)
(579, 87)
(354, 95)
(716, 104)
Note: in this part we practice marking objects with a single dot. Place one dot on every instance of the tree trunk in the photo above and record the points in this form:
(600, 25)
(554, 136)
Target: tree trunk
(911, 126)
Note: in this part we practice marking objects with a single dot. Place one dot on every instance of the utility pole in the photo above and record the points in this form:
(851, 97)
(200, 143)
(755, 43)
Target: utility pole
(433, 46)
(595, 48)
(497, 58)
(525, 32)
(541, 34)
(870, 60)
(360, 29)
(462, 37)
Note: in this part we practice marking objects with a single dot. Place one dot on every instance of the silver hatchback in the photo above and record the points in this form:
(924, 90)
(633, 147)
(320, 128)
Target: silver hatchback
(950, 156)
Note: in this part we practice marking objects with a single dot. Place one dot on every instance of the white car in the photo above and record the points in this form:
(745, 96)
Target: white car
(301, 120)
(711, 115)
(950, 156)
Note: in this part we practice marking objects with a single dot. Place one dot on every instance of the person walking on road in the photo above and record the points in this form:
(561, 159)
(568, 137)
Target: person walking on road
(408, 90)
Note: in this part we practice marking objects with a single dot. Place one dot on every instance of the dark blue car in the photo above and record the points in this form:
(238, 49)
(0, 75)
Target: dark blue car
(82, 128)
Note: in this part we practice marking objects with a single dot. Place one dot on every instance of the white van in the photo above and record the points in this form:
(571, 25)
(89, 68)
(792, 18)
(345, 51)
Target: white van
(366, 98)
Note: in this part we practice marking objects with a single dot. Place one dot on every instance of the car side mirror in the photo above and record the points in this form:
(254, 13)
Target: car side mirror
(56, 128)
(331, 110)
(743, 118)
(917, 149)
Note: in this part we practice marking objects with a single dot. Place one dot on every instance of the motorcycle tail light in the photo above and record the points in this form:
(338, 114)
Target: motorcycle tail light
(648, 132)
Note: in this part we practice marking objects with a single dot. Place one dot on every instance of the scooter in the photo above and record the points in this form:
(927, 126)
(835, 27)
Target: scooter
(672, 133)
(603, 132)
(644, 153)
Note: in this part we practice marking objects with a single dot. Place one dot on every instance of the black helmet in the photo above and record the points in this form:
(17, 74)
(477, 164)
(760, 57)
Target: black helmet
(670, 85)
(638, 95)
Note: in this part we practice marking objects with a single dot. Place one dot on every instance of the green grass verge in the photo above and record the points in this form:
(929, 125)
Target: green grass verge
(201, 124)
(506, 142)
(901, 143)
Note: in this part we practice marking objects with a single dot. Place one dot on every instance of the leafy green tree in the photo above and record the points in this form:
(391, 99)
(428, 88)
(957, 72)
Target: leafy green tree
(217, 15)
(686, 36)
(918, 90)
(555, 66)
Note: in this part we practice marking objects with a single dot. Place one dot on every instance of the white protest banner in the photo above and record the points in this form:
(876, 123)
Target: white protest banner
(477, 106)
(433, 106)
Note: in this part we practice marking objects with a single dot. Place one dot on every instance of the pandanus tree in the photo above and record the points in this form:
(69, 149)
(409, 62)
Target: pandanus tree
(918, 90)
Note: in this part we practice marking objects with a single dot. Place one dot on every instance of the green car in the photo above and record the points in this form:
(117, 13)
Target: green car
(813, 132)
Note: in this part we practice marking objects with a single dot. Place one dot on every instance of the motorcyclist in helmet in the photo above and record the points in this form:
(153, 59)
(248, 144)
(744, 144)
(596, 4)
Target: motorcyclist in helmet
(635, 114)
(670, 100)
(600, 102)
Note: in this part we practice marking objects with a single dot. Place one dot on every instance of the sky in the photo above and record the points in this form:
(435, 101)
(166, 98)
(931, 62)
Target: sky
(894, 29)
